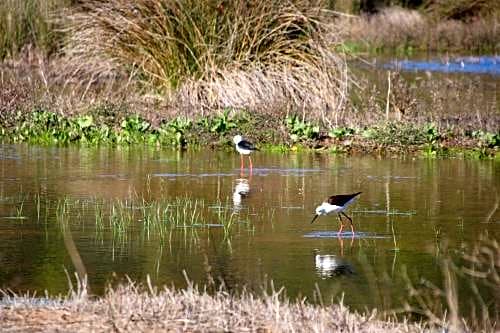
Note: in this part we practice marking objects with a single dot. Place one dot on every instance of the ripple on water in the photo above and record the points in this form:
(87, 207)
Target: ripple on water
(255, 172)
(345, 234)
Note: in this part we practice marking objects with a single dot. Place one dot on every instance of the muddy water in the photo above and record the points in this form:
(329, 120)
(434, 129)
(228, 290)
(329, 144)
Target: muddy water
(410, 212)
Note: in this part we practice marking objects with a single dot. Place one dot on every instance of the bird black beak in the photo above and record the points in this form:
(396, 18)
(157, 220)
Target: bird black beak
(314, 218)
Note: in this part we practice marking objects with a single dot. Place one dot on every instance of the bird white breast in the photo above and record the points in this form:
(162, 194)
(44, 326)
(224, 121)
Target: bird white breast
(243, 151)
(326, 209)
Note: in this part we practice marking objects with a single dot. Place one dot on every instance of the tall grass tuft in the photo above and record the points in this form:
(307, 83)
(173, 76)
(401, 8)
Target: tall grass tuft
(29, 23)
(211, 54)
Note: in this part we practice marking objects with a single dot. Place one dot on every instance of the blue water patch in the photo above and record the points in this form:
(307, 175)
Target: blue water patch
(477, 65)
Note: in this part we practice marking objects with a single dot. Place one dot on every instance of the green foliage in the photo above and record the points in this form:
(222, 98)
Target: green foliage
(403, 134)
(105, 127)
(341, 132)
(174, 132)
(222, 123)
(301, 130)
(486, 139)
(134, 130)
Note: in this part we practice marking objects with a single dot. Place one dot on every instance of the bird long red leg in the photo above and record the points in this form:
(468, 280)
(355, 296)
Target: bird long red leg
(350, 220)
(241, 166)
(341, 225)
(250, 159)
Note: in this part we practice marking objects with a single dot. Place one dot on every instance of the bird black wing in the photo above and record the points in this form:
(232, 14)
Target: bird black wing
(243, 144)
(341, 199)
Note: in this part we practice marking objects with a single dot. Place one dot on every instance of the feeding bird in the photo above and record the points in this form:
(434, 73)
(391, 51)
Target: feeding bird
(336, 204)
(244, 148)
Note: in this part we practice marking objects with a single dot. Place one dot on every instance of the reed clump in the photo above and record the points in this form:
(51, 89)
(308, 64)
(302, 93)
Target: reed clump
(209, 54)
(29, 25)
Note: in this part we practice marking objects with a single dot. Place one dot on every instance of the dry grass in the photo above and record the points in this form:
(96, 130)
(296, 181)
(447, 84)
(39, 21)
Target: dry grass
(455, 103)
(398, 28)
(129, 308)
(206, 55)
(479, 271)
(29, 24)
(464, 10)
(391, 27)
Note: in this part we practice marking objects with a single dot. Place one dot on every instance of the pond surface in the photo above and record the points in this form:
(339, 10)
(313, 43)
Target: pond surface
(475, 65)
(410, 209)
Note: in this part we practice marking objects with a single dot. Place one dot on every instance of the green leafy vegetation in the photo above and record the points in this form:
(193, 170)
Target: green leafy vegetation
(486, 139)
(222, 123)
(341, 133)
(301, 130)
(174, 132)
(49, 128)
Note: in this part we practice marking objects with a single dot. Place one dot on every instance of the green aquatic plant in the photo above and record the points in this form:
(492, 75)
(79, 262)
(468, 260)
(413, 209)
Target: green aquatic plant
(133, 129)
(174, 132)
(222, 123)
(341, 133)
(486, 139)
(301, 130)
(156, 217)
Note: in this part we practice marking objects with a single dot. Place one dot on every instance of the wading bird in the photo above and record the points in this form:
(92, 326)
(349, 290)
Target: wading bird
(336, 204)
(244, 148)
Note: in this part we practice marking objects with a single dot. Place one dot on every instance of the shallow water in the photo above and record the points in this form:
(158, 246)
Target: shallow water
(408, 211)
(474, 65)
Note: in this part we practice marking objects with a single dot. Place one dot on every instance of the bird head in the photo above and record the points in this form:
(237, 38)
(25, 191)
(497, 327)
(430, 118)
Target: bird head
(320, 210)
(237, 139)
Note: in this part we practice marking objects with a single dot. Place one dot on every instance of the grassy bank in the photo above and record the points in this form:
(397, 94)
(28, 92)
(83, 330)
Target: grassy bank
(107, 125)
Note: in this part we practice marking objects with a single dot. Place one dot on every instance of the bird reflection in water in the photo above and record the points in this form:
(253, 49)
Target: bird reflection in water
(241, 191)
(332, 265)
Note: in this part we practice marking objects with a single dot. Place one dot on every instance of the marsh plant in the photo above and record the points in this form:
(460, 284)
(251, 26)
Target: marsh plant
(154, 217)
(301, 129)
(211, 54)
(30, 24)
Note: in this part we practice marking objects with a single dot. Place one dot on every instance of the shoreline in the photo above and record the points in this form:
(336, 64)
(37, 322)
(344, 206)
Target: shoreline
(269, 133)
(132, 308)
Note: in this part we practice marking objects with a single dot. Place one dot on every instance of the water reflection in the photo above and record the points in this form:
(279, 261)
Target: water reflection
(241, 191)
(333, 265)
(409, 207)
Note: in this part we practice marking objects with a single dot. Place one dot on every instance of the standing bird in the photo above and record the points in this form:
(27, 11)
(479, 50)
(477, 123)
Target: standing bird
(336, 204)
(244, 148)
